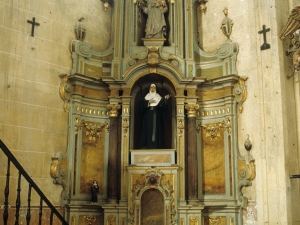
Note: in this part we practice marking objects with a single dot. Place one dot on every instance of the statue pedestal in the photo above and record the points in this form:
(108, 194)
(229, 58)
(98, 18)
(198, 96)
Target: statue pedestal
(153, 42)
(153, 157)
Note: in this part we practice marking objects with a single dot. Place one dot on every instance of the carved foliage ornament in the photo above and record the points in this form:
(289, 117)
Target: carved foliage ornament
(213, 131)
(93, 130)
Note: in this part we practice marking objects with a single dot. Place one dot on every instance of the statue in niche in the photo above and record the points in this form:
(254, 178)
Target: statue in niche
(94, 191)
(156, 24)
(153, 109)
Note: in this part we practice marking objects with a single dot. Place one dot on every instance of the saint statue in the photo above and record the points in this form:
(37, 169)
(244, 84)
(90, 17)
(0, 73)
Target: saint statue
(156, 24)
(94, 191)
(153, 108)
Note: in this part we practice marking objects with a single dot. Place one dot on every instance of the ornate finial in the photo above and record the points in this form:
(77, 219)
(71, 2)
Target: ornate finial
(226, 25)
(248, 144)
(80, 30)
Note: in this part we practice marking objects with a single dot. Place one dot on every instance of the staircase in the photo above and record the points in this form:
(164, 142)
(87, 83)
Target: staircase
(32, 185)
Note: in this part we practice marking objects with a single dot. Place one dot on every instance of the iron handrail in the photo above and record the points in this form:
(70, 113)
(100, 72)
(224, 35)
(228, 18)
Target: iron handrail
(21, 170)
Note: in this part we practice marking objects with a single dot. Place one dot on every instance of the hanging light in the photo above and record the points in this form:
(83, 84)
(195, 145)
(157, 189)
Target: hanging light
(106, 3)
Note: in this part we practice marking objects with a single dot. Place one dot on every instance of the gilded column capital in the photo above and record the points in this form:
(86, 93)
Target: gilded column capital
(192, 110)
(113, 109)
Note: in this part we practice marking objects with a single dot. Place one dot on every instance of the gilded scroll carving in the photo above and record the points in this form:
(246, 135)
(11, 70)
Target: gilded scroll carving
(65, 91)
(58, 171)
(240, 92)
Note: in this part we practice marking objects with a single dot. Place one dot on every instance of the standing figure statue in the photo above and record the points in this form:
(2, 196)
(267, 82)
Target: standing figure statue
(156, 24)
(153, 110)
(94, 191)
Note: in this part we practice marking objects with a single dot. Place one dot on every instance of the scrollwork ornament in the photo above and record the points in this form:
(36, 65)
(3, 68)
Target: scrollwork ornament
(65, 91)
(240, 92)
(58, 172)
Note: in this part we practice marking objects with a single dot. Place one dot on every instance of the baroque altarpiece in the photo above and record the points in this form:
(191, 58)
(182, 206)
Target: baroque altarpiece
(198, 178)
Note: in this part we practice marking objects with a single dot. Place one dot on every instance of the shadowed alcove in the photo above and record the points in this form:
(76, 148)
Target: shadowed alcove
(152, 207)
(140, 89)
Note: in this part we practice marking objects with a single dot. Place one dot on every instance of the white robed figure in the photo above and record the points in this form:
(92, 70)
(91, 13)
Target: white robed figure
(153, 108)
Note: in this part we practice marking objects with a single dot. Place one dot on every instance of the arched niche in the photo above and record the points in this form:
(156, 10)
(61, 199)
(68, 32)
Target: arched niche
(152, 207)
(139, 90)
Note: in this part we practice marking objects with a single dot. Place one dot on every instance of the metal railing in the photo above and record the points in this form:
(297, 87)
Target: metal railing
(31, 183)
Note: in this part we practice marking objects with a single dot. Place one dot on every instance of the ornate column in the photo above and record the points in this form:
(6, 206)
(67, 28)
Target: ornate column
(192, 159)
(112, 174)
(126, 100)
(180, 144)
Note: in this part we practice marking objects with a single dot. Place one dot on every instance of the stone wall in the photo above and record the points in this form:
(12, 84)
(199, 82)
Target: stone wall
(269, 115)
(33, 123)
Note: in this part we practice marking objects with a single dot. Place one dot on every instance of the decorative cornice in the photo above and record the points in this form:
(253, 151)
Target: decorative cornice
(240, 92)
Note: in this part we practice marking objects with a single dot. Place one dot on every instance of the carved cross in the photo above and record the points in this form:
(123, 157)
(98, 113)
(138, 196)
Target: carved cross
(33, 24)
(264, 32)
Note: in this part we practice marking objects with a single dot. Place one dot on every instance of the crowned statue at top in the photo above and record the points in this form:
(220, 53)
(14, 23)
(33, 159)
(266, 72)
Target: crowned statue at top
(156, 24)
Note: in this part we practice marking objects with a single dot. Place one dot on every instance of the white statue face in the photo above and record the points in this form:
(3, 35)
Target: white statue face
(152, 88)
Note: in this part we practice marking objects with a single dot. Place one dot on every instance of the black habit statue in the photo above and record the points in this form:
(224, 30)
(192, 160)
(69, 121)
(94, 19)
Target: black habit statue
(153, 108)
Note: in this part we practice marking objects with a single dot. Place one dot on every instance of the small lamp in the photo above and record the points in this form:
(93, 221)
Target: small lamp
(107, 3)
(202, 5)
